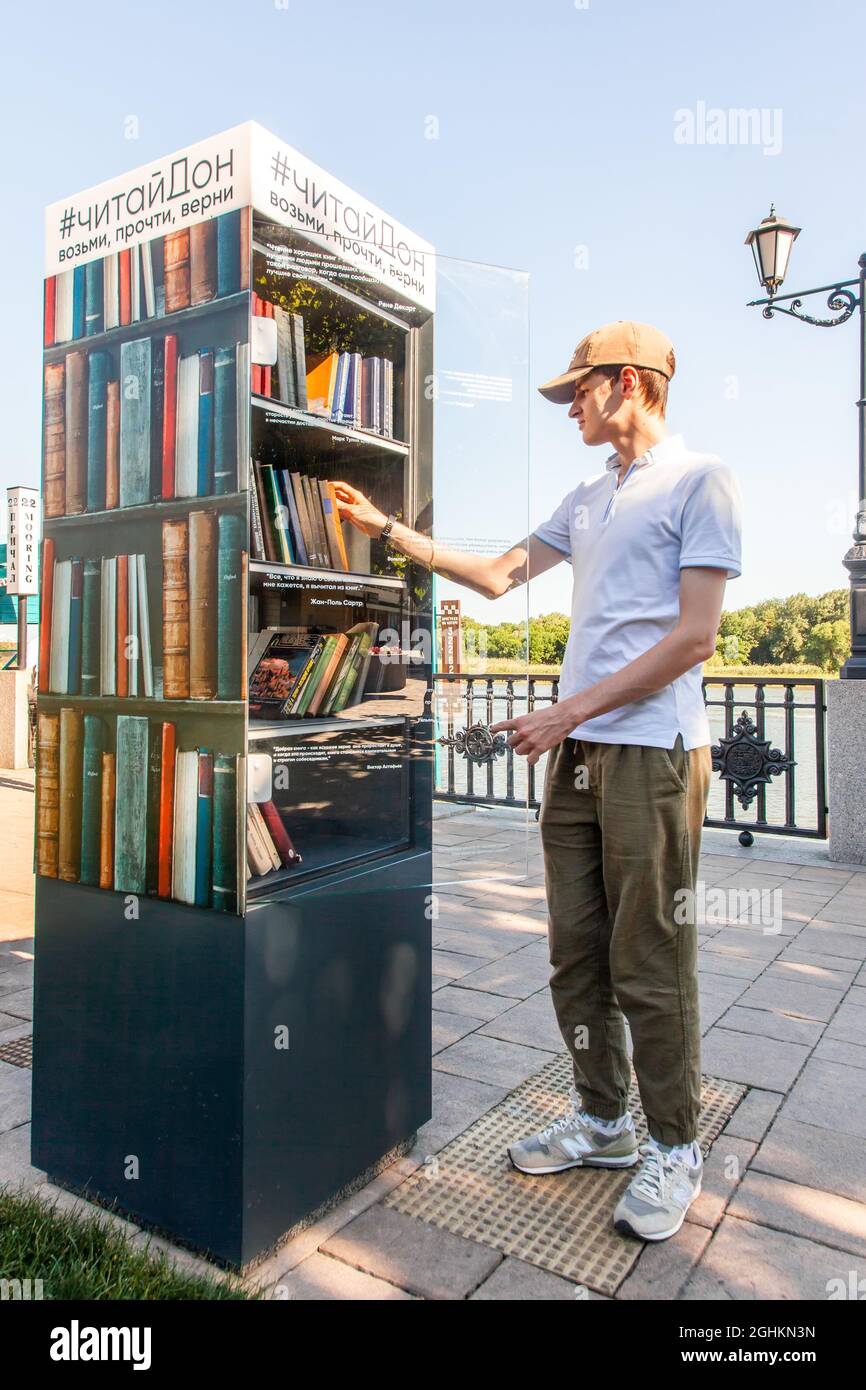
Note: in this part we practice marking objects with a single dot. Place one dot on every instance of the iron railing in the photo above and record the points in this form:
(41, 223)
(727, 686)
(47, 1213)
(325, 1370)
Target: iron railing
(792, 801)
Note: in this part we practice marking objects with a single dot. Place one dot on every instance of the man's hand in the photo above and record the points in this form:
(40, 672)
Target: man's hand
(541, 730)
(355, 507)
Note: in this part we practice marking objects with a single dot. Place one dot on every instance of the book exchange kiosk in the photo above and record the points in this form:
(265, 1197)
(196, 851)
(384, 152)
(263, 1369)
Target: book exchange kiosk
(242, 719)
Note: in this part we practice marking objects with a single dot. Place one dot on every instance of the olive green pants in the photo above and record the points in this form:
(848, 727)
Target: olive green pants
(621, 830)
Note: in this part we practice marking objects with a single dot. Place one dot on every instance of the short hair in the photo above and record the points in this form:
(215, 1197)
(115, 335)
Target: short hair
(653, 385)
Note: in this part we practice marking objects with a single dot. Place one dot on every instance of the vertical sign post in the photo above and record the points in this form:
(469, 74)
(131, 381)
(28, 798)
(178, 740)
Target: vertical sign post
(22, 556)
(449, 624)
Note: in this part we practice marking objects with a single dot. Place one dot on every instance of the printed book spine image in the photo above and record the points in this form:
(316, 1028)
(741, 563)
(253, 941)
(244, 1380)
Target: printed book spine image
(130, 854)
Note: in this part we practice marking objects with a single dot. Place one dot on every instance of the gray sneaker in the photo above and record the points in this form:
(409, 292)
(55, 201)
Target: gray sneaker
(656, 1200)
(575, 1142)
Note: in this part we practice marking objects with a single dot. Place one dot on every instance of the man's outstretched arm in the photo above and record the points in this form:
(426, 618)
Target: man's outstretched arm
(489, 575)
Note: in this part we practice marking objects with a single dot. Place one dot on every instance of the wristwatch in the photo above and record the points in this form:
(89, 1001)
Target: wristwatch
(386, 529)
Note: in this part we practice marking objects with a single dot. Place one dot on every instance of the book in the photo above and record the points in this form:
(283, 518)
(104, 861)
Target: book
(320, 384)
(257, 537)
(204, 475)
(145, 650)
(130, 831)
(225, 877)
(225, 426)
(91, 799)
(332, 519)
(336, 645)
(188, 392)
(154, 802)
(54, 438)
(97, 432)
(49, 304)
(59, 648)
(278, 515)
(230, 605)
(202, 262)
(299, 544)
(184, 826)
(280, 837)
(204, 830)
(203, 546)
(242, 361)
(76, 589)
(93, 298)
(111, 292)
(78, 305)
(157, 410)
(175, 610)
(165, 835)
(91, 603)
(124, 276)
(228, 252)
(112, 445)
(135, 376)
(76, 432)
(46, 598)
(121, 629)
(69, 795)
(275, 665)
(261, 851)
(169, 415)
(47, 793)
(107, 814)
(302, 689)
(108, 626)
(177, 271)
(132, 644)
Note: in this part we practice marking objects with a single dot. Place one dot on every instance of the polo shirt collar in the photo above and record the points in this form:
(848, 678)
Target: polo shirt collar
(666, 448)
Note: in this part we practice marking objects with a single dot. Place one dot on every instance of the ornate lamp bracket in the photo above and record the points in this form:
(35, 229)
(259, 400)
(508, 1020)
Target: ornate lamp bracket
(840, 300)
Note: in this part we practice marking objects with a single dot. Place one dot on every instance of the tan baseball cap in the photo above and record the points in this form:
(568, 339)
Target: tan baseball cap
(623, 343)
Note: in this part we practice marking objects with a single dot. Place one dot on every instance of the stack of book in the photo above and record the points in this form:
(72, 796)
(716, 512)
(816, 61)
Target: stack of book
(349, 389)
(94, 635)
(289, 383)
(141, 817)
(177, 429)
(295, 520)
(158, 277)
(269, 844)
(297, 673)
(345, 388)
(95, 623)
(203, 607)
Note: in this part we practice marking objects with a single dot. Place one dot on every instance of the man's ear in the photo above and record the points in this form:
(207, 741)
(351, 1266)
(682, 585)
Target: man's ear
(629, 382)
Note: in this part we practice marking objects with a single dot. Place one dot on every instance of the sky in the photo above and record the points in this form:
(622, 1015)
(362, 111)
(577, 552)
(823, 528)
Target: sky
(560, 139)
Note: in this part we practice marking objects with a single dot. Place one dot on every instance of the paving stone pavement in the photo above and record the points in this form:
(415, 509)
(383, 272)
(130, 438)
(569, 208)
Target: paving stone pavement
(782, 1213)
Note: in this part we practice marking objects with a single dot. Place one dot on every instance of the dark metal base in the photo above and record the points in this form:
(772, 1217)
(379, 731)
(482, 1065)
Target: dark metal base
(221, 1078)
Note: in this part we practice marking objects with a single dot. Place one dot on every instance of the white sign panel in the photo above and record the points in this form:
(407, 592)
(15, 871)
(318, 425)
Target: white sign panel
(22, 541)
(162, 196)
(293, 191)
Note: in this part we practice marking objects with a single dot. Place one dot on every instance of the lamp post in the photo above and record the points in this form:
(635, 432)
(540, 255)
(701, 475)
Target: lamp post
(771, 244)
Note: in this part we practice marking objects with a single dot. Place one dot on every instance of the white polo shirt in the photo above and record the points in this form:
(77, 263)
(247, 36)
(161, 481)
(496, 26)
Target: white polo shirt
(627, 545)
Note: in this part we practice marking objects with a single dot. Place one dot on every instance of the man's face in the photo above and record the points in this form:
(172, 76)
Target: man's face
(596, 400)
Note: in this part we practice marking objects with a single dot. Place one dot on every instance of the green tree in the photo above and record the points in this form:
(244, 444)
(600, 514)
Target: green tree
(829, 644)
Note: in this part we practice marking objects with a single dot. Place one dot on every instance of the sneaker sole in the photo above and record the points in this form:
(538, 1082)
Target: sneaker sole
(625, 1227)
(627, 1161)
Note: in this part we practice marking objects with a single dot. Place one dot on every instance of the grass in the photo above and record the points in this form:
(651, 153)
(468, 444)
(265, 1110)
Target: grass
(84, 1258)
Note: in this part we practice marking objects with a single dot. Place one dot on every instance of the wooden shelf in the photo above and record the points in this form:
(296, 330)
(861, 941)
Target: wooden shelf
(305, 418)
(146, 328)
(141, 704)
(392, 581)
(146, 511)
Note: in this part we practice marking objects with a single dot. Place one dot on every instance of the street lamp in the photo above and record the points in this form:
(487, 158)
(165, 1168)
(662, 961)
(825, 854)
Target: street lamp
(771, 244)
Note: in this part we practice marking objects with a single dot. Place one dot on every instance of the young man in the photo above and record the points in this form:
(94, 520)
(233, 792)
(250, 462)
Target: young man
(652, 540)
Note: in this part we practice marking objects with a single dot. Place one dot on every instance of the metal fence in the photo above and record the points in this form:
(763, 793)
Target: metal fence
(768, 740)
